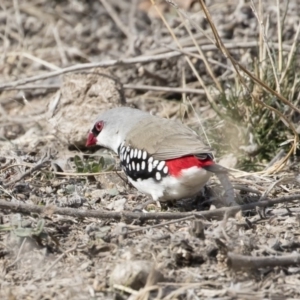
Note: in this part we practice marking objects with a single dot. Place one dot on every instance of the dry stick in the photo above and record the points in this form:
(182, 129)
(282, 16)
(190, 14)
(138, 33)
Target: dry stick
(115, 18)
(18, 258)
(35, 59)
(237, 261)
(80, 67)
(126, 86)
(60, 47)
(184, 51)
(160, 225)
(205, 61)
(209, 97)
(187, 286)
(131, 27)
(54, 263)
(217, 213)
(125, 289)
(291, 54)
(279, 32)
(127, 61)
(164, 89)
(34, 87)
(18, 18)
(284, 180)
(57, 173)
(264, 36)
(29, 172)
(209, 47)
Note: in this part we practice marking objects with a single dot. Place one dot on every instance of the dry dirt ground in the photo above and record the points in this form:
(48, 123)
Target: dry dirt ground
(53, 253)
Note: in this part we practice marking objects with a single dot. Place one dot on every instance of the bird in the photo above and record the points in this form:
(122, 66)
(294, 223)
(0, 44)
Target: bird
(161, 157)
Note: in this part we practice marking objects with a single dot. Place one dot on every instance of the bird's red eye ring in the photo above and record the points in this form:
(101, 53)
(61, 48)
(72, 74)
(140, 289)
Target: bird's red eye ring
(99, 126)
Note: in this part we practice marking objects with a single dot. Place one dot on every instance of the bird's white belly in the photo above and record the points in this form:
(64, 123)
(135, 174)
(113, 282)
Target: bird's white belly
(186, 185)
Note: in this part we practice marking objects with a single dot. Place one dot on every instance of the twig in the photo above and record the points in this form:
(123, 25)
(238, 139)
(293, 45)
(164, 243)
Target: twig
(247, 189)
(62, 173)
(125, 289)
(283, 180)
(209, 47)
(18, 18)
(237, 261)
(204, 59)
(126, 86)
(291, 54)
(34, 87)
(126, 61)
(178, 292)
(55, 262)
(115, 18)
(144, 293)
(27, 173)
(188, 60)
(190, 53)
(35, 59)
(60, 48)
(131, 28)
(103, 64)
(161, 224)
(217, 213)
(164, 89)
(263, 33)
(18, 258)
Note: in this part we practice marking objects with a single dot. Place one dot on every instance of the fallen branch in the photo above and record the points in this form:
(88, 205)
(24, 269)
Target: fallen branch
(115, 17)
(80, 67)
(27, 173)
(126, 61)
(237, 261)
(164, 89)
(127, 215)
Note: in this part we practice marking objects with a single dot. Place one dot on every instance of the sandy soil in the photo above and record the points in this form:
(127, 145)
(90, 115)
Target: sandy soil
(43, 126)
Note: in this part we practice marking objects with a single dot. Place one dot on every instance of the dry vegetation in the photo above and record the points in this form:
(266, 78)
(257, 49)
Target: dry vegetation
(68, 235)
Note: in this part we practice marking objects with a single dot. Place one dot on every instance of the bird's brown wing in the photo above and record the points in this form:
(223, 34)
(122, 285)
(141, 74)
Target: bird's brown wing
(166, 139)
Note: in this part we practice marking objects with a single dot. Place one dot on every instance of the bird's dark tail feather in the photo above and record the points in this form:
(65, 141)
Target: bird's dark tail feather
(215, 168)
(222, 174)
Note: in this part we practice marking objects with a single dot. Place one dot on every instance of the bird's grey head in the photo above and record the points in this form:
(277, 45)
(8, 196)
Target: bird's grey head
(112, 126)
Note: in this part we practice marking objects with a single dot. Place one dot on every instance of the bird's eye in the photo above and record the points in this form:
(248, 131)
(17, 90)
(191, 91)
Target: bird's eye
(97, 128)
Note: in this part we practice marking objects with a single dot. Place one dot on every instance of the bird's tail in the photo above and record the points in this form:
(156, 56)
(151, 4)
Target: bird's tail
(222, 174)
(215, 168)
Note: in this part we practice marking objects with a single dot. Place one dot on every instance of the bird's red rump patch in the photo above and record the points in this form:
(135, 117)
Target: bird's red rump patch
(176, 165)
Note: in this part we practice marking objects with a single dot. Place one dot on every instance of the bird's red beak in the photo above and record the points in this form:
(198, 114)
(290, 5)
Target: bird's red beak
(91, 140)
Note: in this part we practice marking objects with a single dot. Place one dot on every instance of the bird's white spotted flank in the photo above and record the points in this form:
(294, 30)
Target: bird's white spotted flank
(144, 155)
(139, 165)
(166, 169)
(139, 154)
(158, 176)
(160, 165)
